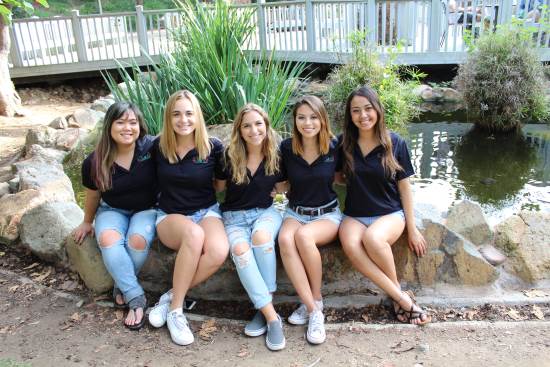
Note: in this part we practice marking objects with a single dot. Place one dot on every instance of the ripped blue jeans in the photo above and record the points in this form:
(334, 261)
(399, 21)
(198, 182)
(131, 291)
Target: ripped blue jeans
(257, 266)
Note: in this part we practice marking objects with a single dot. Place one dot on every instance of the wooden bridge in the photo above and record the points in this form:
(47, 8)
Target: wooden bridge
(428, 32)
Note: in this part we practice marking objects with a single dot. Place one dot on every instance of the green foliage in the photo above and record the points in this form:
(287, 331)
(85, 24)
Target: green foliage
(210, 62)
(365, 68)
(7, 7)
(64, 7)
(502, 81)
(12, 363)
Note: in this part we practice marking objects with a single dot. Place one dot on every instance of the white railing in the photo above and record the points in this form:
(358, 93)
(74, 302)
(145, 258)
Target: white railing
(427, 31)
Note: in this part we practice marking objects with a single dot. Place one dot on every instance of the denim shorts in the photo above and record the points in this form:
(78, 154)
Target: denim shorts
(370, 220)
(125, 222)
(196, 217)
(334, 216)
(241, 224)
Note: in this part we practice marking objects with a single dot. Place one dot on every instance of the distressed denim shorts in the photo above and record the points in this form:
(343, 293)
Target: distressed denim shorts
(370, 220)
(241, 224)
(196, 217)
(334, 216)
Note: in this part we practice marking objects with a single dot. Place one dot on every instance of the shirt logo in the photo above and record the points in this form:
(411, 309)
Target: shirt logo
(144, 157)
(199, 160)
(329, 159)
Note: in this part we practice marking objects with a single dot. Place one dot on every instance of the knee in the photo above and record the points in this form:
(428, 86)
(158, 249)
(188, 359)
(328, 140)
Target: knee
(286, 243)
(303, 236)
(261, 238)
(108, 238)
(193, 238)
(240, 249)
(217, 256)
(373, 241)
(137, 242)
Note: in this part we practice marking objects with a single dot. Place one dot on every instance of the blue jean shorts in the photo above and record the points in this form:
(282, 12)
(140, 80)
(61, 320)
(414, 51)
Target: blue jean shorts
(196, 217)
(370, 220)
(334, 216)
(241, 224)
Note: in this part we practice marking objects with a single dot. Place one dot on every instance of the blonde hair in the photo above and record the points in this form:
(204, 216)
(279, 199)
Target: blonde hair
(236, 151)
(325, 134)
(168, 135)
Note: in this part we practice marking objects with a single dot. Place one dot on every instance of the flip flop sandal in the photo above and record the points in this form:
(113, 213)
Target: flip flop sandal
(420, 314)
(399, 311)
(118, 306)
(134, 304)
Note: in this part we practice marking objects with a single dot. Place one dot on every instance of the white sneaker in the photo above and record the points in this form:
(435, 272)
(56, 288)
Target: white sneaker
(179, 328)
(316, 328)
(157, 315)
(300, 316)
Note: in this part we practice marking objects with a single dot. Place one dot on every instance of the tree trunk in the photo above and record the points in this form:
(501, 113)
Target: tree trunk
(9, 99)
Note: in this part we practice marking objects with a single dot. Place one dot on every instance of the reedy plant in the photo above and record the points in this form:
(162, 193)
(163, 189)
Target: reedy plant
(209, 60)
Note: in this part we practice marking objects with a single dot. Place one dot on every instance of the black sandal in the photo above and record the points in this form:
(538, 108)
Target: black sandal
(419, 314)
(118, 306)
(134, 304)
(399, 311)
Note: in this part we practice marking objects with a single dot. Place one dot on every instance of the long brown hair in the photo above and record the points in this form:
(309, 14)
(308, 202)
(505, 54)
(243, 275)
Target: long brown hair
(168, 141)
(351, 134)
(325, 134)
(236, 151)
(105, 152)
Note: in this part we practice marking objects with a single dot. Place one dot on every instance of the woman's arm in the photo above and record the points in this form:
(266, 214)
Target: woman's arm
(90, 207)
(339, 179)
(417, 243)
(219, 185)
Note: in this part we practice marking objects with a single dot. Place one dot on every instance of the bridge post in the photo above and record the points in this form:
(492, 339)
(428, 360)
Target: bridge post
(262, 32)
(79, 41)
(141, 25)
(310, 26)
(434, 35)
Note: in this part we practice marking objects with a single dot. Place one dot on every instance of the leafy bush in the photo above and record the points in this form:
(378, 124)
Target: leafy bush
(209, 61)
(502, 81)
(397, 96)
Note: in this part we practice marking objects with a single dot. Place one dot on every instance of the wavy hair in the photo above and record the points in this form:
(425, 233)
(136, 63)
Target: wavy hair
(325, 134)
(237, 151)
(106, 151)
(168, 142)
(351, 134)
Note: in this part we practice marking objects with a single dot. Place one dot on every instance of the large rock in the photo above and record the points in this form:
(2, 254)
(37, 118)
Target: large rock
(525, 238)
(425, 206)
(85, 118)
(4, 188)
(70, 138)
(450, 259)
(44, 228)
(102, 104)
(45, 176)
(46, 154)
(86, 260)
(12, 208)
(44, 136)
(466, 218)
(59, 122)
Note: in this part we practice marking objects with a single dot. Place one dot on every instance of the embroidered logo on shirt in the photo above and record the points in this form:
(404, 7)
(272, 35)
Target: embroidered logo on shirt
(200, 161)
(144, 157)
(329, 159)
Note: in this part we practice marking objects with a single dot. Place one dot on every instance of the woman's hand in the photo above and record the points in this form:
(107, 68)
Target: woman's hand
(417, 243)
(82, 231)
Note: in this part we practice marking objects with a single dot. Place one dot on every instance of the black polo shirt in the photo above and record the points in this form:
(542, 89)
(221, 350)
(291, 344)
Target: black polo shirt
(133, 189)
(254, 194)
(187, 185)
(370, 192)
(310, 185)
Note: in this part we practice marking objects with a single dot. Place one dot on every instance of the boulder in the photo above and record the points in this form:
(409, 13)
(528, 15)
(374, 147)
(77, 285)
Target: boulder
(425, 206)
(467, 219)
(222, 132)
(102, 104)
(4, 188)
(45, 176)
(450, 95)
(46, 154)
(525, 238)
(492, 255)
(44, 136)
(12, 208)
(450, 259)
(86, 260)
(13, 184)
(44, 228)
(69, 139)
(59, 123)
(85, 118)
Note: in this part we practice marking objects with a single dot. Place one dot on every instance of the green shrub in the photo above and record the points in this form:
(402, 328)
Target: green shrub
(365, 68)
(209, 61)
(502, 81)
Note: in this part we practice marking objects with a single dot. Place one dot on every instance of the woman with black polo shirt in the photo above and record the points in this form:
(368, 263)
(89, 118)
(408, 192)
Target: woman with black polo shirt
(251, 172)
(312, 216)
(188, 216)
(376, 166)
(120, 181)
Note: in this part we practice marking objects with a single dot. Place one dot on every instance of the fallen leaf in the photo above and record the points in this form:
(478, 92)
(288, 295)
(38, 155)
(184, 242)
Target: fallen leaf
(31, 266)
(13, 289)
(2, 253)
(243, 352)
(4, 329)
(75, 317)
(43, 276)
(531, 293)
(365, 317)
(119, 314)
(470, 314)
(207, 328)
(538, 312)
(514, 315)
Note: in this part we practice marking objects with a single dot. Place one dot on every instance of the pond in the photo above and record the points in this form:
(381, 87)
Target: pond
(504, 173)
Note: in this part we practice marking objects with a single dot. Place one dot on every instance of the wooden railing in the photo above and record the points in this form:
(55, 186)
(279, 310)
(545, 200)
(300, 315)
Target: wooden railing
(427, 32)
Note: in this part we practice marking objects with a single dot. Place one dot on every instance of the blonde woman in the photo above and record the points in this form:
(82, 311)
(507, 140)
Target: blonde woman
(251, 222)
(312, 218)
(188, 216)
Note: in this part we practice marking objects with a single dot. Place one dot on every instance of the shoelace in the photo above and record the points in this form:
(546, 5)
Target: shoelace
(180, 320)
(302, 310)
(316, 322)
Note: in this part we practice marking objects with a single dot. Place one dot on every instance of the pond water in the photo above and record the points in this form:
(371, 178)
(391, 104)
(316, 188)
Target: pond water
(504, 173)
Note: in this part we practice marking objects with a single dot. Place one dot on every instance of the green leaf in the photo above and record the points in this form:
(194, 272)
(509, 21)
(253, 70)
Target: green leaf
(44, 3)
(6, 14)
